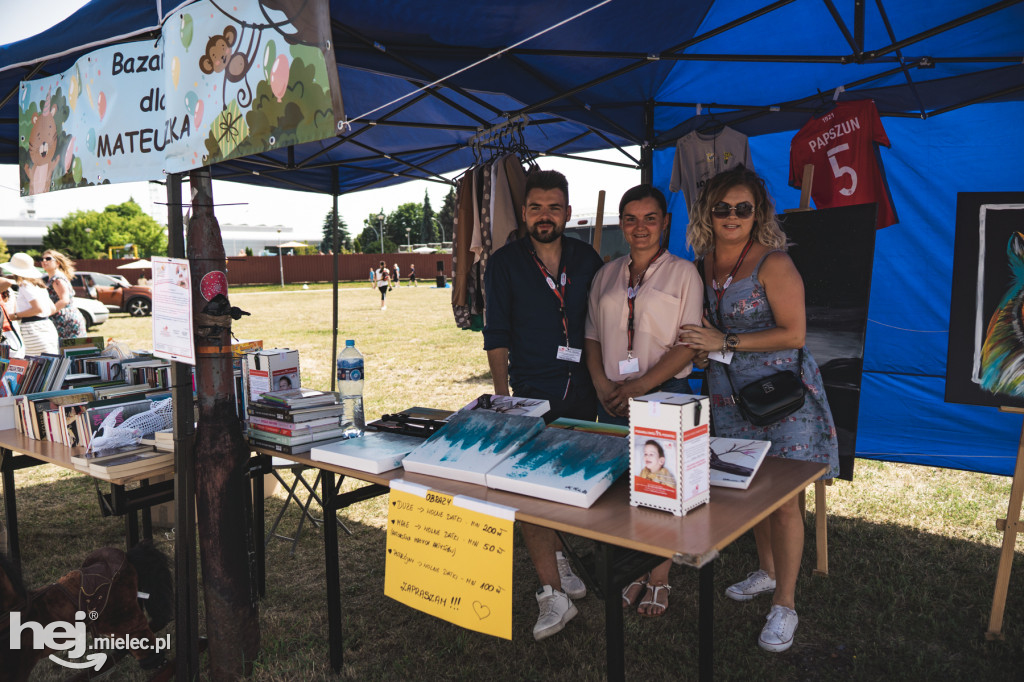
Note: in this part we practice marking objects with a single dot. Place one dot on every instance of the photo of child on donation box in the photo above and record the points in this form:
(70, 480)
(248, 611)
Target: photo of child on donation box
(656, 477)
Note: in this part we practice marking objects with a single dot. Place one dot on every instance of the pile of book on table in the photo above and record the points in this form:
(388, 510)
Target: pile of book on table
(295, 420)
(136, 461)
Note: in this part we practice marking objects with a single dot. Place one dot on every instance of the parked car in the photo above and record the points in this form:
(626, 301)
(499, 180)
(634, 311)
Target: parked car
(94, 312)
(115, 292)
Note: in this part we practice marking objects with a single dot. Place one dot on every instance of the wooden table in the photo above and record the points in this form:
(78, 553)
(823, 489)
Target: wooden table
(17, 451)
(620, 531)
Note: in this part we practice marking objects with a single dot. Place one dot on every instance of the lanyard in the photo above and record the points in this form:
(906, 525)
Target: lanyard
(720, 289)
(631, 294)
(558, 290)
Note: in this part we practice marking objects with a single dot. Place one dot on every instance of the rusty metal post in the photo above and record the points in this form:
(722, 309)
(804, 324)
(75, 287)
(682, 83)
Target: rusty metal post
(222, 455)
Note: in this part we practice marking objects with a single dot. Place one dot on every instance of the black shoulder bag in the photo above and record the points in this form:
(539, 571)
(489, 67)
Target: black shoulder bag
(768, 399)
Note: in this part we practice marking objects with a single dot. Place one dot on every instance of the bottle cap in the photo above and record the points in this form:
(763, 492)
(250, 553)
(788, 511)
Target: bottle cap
(350, 342)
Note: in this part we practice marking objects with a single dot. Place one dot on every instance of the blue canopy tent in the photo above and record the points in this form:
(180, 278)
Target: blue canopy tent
(947, 77)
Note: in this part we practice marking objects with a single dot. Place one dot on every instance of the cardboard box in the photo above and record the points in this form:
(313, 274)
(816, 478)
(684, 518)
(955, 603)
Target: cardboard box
(669, 460)
(270, 369)
(240, 348)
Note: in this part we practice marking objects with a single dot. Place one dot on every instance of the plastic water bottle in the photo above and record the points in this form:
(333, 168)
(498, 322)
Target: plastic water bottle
(350, 385)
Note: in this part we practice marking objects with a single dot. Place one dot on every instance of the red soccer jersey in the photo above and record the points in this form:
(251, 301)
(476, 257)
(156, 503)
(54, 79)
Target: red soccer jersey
(841, 146)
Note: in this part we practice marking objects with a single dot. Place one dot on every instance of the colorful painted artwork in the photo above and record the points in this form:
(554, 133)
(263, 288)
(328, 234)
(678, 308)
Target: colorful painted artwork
(734, 462)
(571, 467)
(985, 362)
(373, 452)
(471, 444)
(221, 82)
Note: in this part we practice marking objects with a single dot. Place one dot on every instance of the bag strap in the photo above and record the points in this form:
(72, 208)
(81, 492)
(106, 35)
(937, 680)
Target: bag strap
(720, 327)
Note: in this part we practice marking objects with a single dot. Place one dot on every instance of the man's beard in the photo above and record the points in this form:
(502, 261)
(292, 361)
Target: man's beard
(553, 235)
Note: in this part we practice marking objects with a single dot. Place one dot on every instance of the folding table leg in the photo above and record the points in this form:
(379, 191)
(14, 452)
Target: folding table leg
(706, 623)
(335, 640)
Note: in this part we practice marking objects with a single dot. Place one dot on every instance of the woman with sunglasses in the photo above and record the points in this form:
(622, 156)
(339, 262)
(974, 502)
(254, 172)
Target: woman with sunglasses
(756, 320)
(34, 307)
(59, 271)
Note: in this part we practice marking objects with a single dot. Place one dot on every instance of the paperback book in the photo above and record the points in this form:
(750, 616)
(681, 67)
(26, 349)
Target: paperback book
(312, 436)
(294, 416)
(299, 397)
(735, 462)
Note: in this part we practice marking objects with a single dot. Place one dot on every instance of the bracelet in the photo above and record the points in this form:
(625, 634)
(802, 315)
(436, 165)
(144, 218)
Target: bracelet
(725, 344)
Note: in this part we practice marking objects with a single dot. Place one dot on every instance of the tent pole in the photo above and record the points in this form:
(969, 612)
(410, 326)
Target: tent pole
(336, 246)
(647, 148)
(186, 614)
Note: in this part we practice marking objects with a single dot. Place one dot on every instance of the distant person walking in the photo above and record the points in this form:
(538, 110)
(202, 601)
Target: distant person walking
(398, 275)
(383, 279)
(412, 275)
(59, 271)
(373, 278)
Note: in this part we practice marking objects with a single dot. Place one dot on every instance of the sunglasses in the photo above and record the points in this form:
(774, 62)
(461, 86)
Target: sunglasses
(744, 209)
(47, 257)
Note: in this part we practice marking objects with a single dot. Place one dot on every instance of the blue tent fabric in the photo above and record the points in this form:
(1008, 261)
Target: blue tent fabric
(947, 77)
(903, 416)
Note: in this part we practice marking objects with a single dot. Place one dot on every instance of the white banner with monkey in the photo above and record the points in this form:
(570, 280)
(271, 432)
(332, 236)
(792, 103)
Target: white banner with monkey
(221, 82)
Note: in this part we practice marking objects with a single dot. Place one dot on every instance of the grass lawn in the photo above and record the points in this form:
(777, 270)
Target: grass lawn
(913, 550)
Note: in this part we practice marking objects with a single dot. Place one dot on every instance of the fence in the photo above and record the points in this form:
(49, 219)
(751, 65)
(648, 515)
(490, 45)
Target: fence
(299, 269)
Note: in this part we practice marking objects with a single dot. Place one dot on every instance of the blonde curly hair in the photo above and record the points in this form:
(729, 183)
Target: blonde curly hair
(700, 234)
(64, 264)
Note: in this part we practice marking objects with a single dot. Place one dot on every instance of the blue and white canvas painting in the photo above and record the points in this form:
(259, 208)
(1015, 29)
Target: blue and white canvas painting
(471, 444)
(571, 467)
(374, 452)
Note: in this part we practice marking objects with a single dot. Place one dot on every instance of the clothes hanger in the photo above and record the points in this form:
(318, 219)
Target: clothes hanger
(711, 125)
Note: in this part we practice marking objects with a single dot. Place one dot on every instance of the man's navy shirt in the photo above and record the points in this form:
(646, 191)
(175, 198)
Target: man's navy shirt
(523, 314)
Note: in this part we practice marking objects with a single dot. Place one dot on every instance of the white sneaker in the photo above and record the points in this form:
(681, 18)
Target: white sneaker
(756, 583)
(777, 634)
(555, 611)
(571, 583)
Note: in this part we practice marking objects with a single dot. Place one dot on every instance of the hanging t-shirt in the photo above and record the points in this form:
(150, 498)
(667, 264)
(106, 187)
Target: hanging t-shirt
(847, 169)
(699, 157)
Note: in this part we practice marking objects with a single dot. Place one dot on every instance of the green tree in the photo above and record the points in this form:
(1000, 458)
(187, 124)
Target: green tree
(327, 243)
(3, 252)
(368, 242)
(88, 234)
(427, 229)
(446, 216)
(405, 217)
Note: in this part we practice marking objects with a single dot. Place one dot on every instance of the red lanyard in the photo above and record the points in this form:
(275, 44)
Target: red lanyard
(558, 290)
(720, 290)
(631, 294)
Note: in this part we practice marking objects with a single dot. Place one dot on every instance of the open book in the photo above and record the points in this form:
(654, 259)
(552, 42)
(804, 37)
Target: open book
(734, 462)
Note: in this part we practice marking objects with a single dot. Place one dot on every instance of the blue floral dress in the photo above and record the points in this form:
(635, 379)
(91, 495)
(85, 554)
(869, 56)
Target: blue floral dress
(808, 434)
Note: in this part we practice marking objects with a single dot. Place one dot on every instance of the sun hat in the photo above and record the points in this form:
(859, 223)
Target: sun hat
(22, 265)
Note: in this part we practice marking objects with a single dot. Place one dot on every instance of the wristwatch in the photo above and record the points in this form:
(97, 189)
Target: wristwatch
(731, 342)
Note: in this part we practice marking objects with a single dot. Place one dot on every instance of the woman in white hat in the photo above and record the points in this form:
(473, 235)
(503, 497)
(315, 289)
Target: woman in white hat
(34, 307)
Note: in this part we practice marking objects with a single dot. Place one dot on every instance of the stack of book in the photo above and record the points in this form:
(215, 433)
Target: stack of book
(295, 420)
(34, 373)
(130, 461)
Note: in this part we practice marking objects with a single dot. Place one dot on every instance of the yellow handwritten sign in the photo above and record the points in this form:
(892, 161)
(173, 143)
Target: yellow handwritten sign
(450, 557)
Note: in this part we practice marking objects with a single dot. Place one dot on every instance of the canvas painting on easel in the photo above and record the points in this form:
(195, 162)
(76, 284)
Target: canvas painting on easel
(985, 361)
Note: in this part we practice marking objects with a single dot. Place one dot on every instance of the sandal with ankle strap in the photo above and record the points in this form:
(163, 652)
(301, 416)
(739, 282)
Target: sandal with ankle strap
(633, 591)
(655, 592)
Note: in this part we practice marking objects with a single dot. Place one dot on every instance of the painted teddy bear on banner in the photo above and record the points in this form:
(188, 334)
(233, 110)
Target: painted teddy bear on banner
(42, 150)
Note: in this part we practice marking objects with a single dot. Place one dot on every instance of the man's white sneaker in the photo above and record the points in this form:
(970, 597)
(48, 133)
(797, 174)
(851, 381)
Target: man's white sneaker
(571, 583)
(756, 583)
(777, 634)
(555, 611)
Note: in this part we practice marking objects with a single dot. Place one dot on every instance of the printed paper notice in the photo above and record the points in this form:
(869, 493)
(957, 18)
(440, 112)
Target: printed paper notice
(172, 310)
(450, 557)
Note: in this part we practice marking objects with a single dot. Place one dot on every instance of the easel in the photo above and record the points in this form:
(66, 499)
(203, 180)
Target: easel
(1010, 526)
(820, 510)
